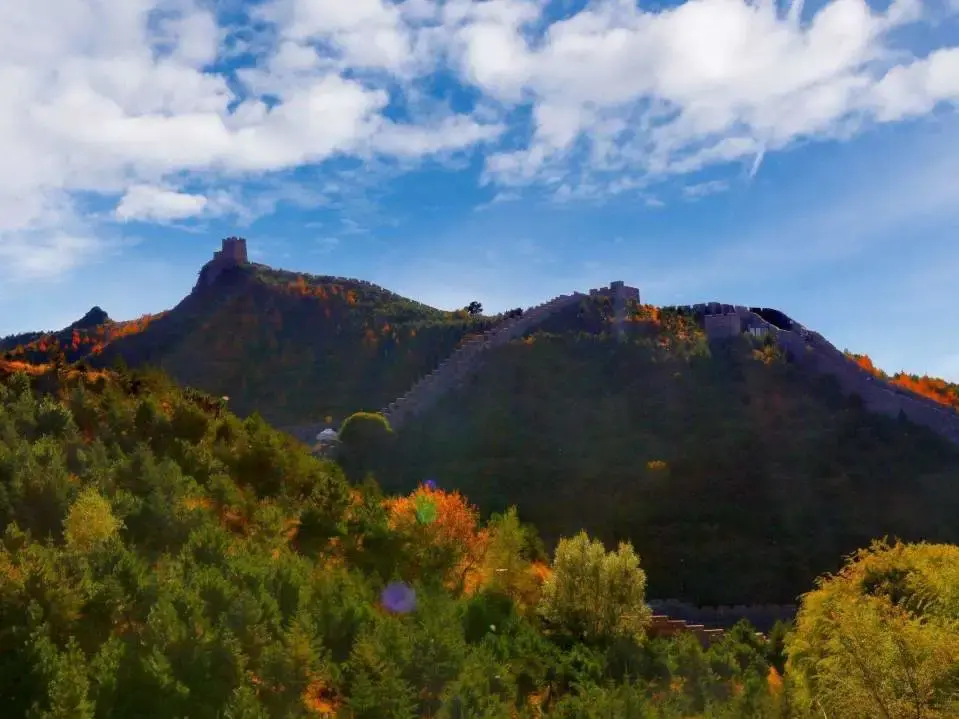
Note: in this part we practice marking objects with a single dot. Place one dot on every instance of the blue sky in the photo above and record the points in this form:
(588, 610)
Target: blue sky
(804, 157)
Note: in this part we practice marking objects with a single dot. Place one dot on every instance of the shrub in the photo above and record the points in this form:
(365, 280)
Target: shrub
(595, 594)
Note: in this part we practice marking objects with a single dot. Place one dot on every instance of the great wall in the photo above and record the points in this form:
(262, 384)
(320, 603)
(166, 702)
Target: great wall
(468, 358)
(720, 322)
(710, 624)
(810, 349)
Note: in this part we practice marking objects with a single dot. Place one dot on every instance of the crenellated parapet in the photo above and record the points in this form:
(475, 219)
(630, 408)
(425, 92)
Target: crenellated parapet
(620, 293)
(232, 253)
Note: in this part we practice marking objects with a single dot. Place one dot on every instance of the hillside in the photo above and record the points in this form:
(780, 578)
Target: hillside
(296, 348)
(161, 558)
(738, 475)
(742, 467)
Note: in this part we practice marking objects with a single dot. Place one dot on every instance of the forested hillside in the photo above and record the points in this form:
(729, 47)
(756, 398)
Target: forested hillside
(295, 348)
(716, 460)
(739, 477)
(162, 558)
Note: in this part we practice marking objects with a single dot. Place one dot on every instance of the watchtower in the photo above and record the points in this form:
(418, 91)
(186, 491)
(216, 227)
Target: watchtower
(232, 253)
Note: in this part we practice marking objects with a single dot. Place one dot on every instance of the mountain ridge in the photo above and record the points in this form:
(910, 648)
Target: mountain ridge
(706, 434)
(95, 336)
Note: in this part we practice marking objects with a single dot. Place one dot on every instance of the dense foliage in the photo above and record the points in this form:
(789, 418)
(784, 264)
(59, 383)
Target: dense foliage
(162, 558)
(883, 634)
(939, 390)
(738, 477)
(295, 348)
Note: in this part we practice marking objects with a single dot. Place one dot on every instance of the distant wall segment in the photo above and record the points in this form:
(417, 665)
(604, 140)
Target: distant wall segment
(812, 350)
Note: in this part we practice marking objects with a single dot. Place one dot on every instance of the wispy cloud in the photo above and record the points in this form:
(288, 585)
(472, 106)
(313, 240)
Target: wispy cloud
(874, 209)
(702, 189)
(324, 245)
(608, 100)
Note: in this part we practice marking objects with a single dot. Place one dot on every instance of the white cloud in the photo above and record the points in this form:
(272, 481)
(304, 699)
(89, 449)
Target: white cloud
(128, 99)
(143, 202)
(325, 245)
(45, 257)
(707, 82)
(702, 189)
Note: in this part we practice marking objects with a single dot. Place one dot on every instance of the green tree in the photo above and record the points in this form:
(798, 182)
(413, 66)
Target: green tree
(881, 638)
(508, 570)
(365, 441)
(595, 594)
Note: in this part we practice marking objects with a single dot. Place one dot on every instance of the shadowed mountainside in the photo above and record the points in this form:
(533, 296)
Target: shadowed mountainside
(296, 348)
(745, 473)
(742, 468)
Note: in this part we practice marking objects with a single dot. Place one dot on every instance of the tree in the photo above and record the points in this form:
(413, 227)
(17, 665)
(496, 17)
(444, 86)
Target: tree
(365, 439)
(594, 594)
(442, 536)
(474, 308)
(881, 638)
(89, 521)
(505, 568)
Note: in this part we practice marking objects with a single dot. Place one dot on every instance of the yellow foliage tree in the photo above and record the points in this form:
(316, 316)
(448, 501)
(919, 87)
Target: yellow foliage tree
(595, 594)
(90, 521)
(505, 570)
(881, 638)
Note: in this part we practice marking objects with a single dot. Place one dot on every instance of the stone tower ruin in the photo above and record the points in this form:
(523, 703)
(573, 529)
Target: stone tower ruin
(232, 253)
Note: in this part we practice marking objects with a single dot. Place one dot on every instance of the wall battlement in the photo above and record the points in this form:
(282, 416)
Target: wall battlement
(232, 253)
(812, 350)
(467, 359)
(621, 293)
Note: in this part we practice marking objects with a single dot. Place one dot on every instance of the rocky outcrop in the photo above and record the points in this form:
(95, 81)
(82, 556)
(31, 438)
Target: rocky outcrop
(467, 359)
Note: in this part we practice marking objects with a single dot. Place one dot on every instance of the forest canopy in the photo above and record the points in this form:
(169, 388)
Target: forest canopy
(161, 557)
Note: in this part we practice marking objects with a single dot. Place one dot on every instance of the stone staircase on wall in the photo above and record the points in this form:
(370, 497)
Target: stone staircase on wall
(878, 395)
(663, 626)
(467, 359)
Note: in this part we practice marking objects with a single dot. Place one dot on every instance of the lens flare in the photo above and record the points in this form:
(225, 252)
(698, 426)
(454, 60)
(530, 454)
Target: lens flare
(399, 598)
(425, 510)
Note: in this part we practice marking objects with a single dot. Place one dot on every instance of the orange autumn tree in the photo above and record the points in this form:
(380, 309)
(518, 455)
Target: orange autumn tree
(442, 535)
(933, 388)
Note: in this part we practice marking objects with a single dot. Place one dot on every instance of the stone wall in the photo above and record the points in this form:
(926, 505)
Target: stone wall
(467, 359)
(710, 624)
(664, 626)
(620, 293)
(761, 616)
(811, 349)
(232, 253)
(724, 325)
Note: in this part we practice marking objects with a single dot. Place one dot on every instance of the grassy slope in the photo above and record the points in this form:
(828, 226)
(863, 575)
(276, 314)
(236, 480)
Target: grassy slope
(770, 476)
